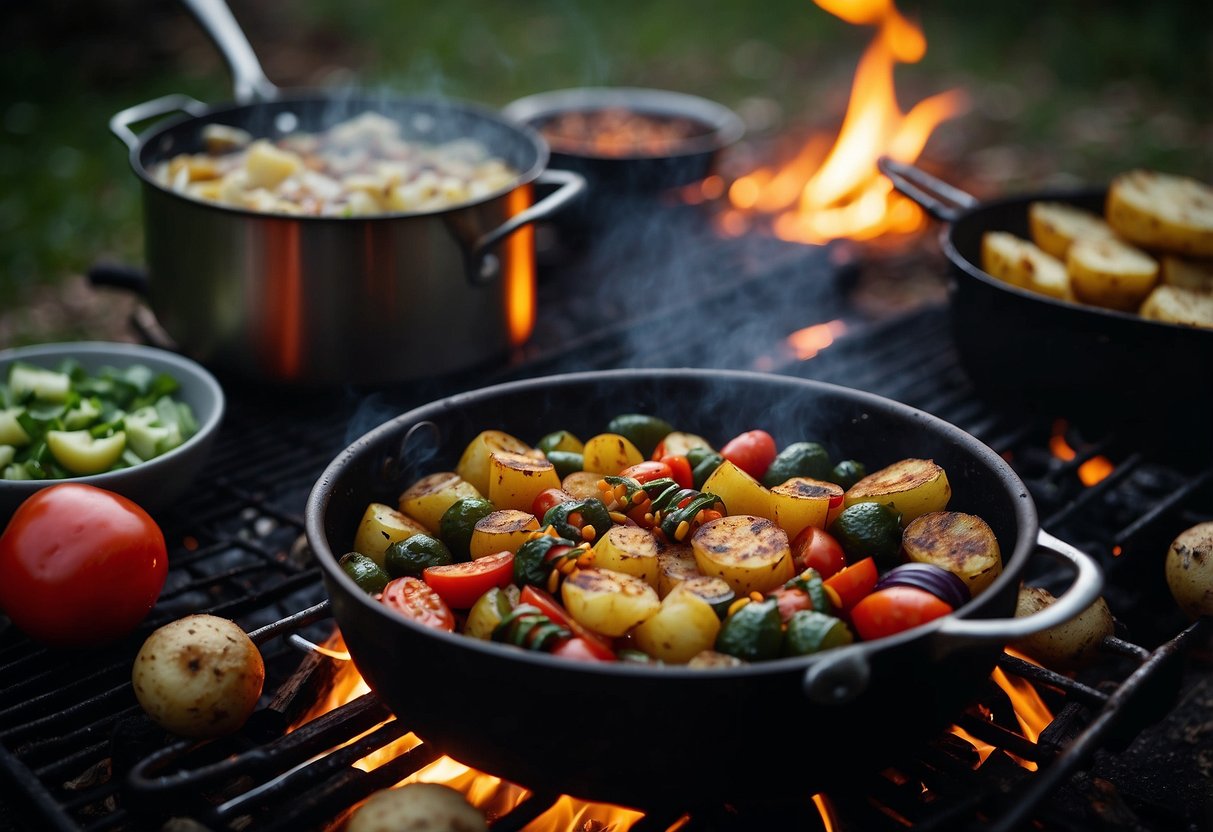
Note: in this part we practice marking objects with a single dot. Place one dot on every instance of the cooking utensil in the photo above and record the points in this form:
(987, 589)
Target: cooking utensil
(1017, 344)
(324, 300)
(648, 736)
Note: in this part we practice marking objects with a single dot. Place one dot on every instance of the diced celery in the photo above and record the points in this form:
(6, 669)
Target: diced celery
(11, 432)
(47, 385)
(7, 452)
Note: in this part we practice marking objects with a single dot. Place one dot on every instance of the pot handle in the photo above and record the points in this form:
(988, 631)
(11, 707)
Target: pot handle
(248, 78)
(120, 123)
(939, 199)
(483, 266)
(843, 674)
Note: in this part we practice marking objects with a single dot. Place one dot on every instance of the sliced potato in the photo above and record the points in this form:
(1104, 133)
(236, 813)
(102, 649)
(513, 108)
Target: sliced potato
(582, 484)
(1111, 273)
(675, 564)
(380, 527)
(1054, 226)
(1176, 305)
(1020, 262)
(963, 544)
(474, 463)
(1162, 211)
(911, 487)
(1185, 273)
(501, 531)
(1189, 570)
(631, 550)
(515, 480)
(610, 453)
(267, 164)
(677, 443)
(428, 499)
(711, 658)
(750, 553)
(683, 627)
(1065, 646)
(608, 602)
(741, 493)
(802, 502)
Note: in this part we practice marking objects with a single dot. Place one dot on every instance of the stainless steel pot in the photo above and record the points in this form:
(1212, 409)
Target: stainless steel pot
(323, 300)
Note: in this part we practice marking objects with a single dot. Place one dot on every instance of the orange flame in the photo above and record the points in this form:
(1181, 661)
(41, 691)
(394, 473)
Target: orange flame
(825, 194)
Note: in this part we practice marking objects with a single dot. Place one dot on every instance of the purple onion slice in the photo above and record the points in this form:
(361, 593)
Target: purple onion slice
(944, 585)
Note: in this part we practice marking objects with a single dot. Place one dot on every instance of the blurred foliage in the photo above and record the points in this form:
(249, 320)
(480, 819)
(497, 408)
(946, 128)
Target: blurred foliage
(1061, 91)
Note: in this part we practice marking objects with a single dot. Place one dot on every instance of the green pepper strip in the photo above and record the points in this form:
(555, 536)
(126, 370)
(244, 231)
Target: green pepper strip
(593, 514)
(531, 564)
(632, 489)
(527, 627)
(675, 518)
(703, 462)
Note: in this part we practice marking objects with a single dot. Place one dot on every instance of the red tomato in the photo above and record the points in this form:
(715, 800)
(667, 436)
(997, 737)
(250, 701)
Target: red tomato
(462, 584)
(815, 548)
(553, 609)
(547, 498)
(680, 470)
(647, 471)
(80, 565)
(581, 650)
(897, 608)
(752, 452)
(413, 598)
(853, 582)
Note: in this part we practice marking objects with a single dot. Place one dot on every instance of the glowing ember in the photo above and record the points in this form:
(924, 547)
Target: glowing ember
(1090, 472)
(827, 193)
(806, 343)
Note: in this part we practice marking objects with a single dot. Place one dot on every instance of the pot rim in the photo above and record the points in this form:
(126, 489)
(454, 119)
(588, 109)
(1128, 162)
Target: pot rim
(212, 113)
(725, 126)
(1026, 520)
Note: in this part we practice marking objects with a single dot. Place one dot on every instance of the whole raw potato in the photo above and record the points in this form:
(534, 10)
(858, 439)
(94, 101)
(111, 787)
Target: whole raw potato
(1189, 570)
(199, 676)
(1069, 645)
(418, 807)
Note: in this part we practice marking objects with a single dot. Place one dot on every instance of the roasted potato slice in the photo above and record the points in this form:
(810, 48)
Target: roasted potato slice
(911, 487)
(681, 629)
(608, 602)
(629, 549)
(1162, 211)
(1024, 264)
(380, 527)
(1111, 273)
(675, 564)
(1176, 305)
(582, 484)
(515, 480)
(428, 499)
(1054, 226)
(610, 453)
(802, 502)
(501, 531)
(750, 553)
(741, 493)
(474, 463)
(963, 544)
(1185, 273)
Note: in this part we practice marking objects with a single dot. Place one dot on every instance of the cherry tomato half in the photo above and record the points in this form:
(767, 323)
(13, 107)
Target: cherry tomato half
(752, 452)
(413, 598)
(549, 606)
(462, 584)
(815, 548)
(888, 611)
(790, 600)
(854, 582)
(547, 498)
(647, 471)
(582, 650)
(80, 565)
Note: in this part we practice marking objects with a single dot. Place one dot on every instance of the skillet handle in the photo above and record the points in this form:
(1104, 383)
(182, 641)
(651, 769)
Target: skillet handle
(120, 122)
(483, 267)
(939, 199)
(248, 78)
(842, 674)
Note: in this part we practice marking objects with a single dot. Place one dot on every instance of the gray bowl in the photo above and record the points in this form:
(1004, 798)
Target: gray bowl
(154, 484)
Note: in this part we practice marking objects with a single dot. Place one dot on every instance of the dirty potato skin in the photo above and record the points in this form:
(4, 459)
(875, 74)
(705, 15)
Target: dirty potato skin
(418, 807)
(1189, 570)
(1067, 646)
(199, 676)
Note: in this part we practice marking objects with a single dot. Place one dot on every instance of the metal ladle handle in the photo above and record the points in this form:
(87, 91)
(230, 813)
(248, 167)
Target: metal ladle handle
(248, 78)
